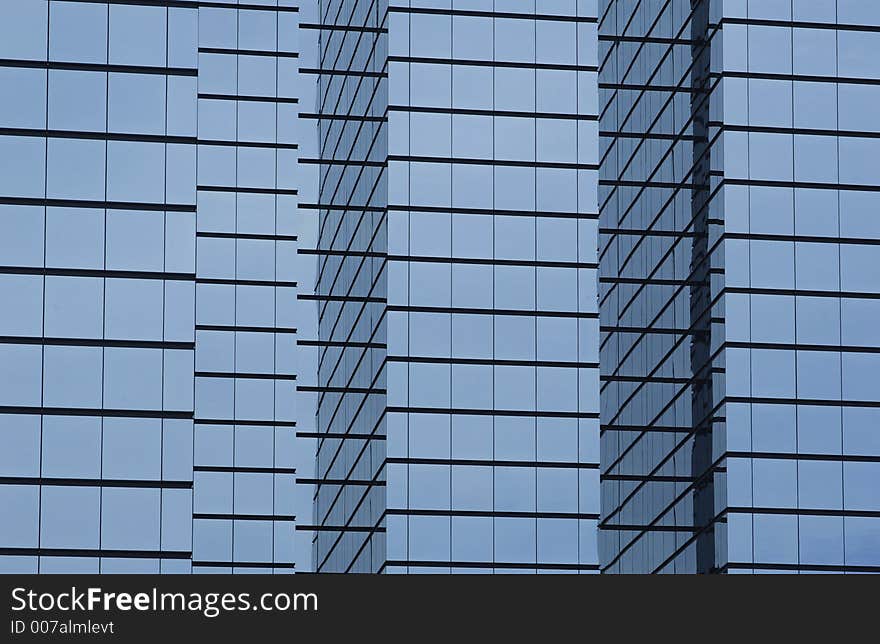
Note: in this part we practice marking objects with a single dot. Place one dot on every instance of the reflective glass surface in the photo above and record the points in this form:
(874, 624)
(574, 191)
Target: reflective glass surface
(146, 333)
(738, 269)
(457, 287)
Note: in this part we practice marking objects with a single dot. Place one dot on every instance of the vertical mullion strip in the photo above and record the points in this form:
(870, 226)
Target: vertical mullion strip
(43, 318)
(164, 291)
(275, 337)
(195, 292)
(104, 283)
(537, 372)
(235, 428)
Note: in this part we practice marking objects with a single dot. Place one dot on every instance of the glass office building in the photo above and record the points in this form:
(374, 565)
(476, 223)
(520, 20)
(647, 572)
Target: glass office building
(457, 256)
(740, 292)
(147, 213)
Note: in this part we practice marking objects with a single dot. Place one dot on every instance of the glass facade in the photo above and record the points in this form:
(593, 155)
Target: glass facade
(494, 180)
(146, 230)
(351, 105)
(739, 293)
(458, 320)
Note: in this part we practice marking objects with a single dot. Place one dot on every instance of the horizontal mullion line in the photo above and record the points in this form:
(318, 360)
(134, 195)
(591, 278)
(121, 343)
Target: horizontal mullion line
(105, 413)
(830, 239)
(248, 52)
(668, 429)
(824, 512)
(246, 190)
(491, 112)
(650, 330)
(319, 434)
(495, 565)
(440, 259)
(805, 456)
(507, 212)
(266, 145)
(227, 422)
(243, 469)
(642, 528)
(244, 329)
(636, 183)
(755, 290)
(89, 203)
(528, 514)
(565, 465)
(186, 4)
(653, 40)
(76, 482)
(342, 343)
(494, 14)
(362, 163)
(805, 567)
(90, 552)
(492, 362)
(248, 6)
(249, 98)
(253, 236)
(99, 67)
(243, 282)
(651, 136)
(798, 24)
(810, 402)
(649, 478)
(663, 380)
(766, 129)
(652, 87)
(342, 72)
(244, 564)
(343, 207)
(522, 413)
(652, 281)
(342, 390)
(650, 232)
(96, 342)
(342, 117)
(320, 26)
(782, 346)
(245, 376)
(89, 272)
(845, 80)
(97, 136)
(220, 516)
(493, 63)
(339, 528)
(341, 298)
(353, 482)
(488, 311)
(493, 162)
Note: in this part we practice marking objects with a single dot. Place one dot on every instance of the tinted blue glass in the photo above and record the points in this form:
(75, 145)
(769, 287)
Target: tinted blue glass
(476, 200)
(98, 243)
(759, 398)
